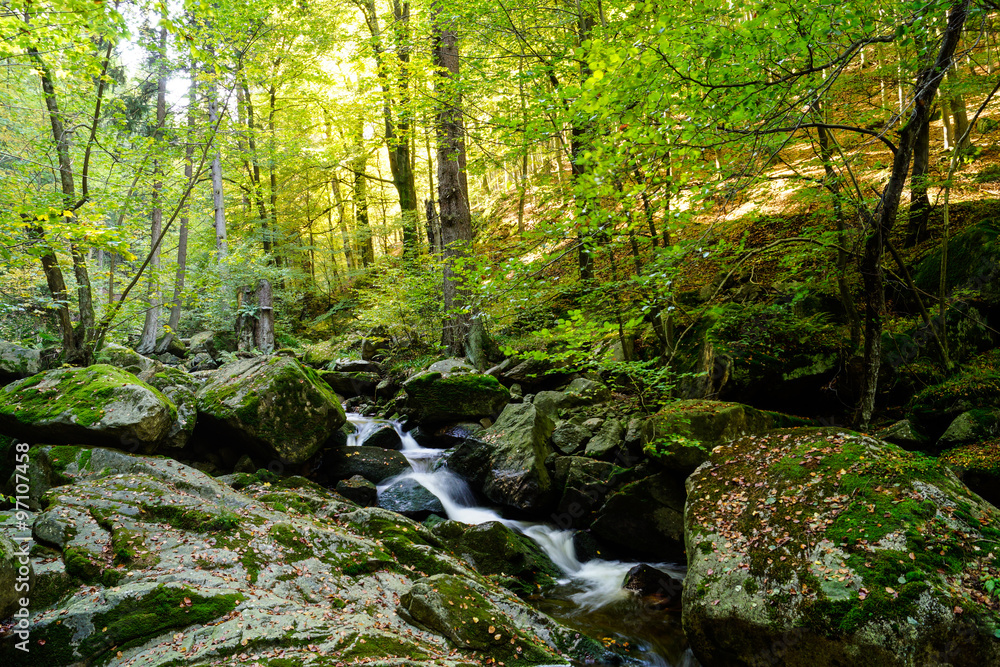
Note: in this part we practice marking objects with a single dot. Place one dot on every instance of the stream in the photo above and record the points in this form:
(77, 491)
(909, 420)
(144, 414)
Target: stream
(589, 597)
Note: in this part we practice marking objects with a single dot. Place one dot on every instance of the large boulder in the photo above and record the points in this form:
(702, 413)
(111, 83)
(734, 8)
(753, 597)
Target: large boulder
(373, 463)
(320, 355)
(351, 384)
(182, 389)
(493, 548)
(507, 460)
(127, 359)
(584, 486)
(461, 610)
(580, 391)
(167, 566)
(436, 398)
(100, 405)
(15, 586)
(410, 498)
(645, 517)
(842, 550)
(18, 362)
(681, 435)
(272, 404)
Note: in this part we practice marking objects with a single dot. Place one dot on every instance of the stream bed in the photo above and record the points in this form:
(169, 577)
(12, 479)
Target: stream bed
(589, 597)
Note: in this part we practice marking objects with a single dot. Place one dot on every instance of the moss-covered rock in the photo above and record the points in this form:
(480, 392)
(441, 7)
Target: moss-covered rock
(436, 398)
(272, 404)
(127, 359)
(158, 564)
(460, 610)
(358, 383)
(408, 497)
(320, 355)
(681, 435)
(18, 362)
(971, 426)
(373, 463)
(493, 548)
(645, 517)
(15, 583)
(584, 485)
(978, 466)
(508, 459)
(181, 388)
(100, 405)
(935, 407)
(841, 549)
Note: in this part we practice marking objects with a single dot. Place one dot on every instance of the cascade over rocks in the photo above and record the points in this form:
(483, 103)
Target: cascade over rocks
(507, 460)
(99, 405)
(272, 404)
(839, 549)
(433, 398)
(142, 560)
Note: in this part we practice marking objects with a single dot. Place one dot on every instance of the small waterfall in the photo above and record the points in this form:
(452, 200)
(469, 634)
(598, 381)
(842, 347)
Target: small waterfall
(599, 581)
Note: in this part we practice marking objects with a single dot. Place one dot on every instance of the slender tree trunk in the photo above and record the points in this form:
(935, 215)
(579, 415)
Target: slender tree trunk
(362, 225)
(345, 235)
(453, 193)
(182, 232)
(151, 326)
(218, 202)
(927, 83)
(578, 143)
(272, 171)
(76, 341)
(920, 203)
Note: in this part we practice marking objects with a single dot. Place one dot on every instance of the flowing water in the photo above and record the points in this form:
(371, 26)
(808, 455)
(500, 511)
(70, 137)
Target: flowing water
(590, 596)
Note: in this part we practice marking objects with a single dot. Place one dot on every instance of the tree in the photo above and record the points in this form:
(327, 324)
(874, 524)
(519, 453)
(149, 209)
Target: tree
(453, 186)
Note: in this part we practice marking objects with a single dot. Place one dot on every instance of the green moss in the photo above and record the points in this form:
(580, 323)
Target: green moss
(137, 620)
(296, 546)
(190, 518)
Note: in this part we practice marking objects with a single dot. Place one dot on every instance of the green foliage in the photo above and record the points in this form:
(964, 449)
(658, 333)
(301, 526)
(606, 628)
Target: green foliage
(403, 300)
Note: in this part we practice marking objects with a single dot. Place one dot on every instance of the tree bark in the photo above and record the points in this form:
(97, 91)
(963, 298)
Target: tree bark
(182, 232)
(453, 194)
(927, 83)
(76, 341)
(920, 203)
(218, 202)
(151, 326)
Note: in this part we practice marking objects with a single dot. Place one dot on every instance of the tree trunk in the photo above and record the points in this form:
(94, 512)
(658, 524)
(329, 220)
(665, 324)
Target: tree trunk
(218, 203)
(453, 194)
(397, 122)
(927, 83)
(255, 318)
(76, 341)
(273, 175)
(182, 232)
(151, 326)
(364, 229)
(920, 203)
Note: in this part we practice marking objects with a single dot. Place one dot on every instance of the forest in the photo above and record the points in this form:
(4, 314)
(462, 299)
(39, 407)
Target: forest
(644, 281)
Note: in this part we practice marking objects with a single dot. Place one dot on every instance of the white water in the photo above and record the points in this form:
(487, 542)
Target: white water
(599, 581)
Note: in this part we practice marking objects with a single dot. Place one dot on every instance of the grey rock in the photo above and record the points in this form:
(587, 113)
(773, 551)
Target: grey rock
(18, 362)
(608, 440)
(408, 497)
(508, 460)
(99, 405)
(359, 490)
(569, 437)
